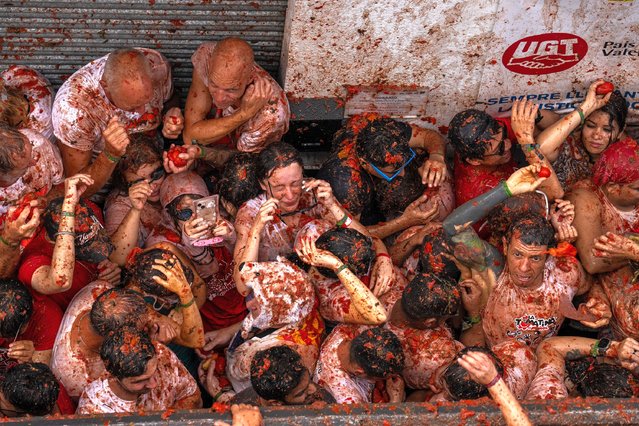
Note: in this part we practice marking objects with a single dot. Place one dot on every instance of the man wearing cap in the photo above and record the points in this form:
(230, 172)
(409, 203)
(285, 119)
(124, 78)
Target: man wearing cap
(72, 248)
(248, 109)
(607, 221)
(126, 91)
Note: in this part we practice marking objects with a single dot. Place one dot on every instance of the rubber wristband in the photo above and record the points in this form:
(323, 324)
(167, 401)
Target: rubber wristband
(473, 320)
(341, 268)
(348, 222)
(65, 233)
(110, 157)
(343, 220)
(7, 243)
(186, 305)
(383, 255)
(67, 214)
(594, 351)
(494, 381)
(582, 116)
(507, 190)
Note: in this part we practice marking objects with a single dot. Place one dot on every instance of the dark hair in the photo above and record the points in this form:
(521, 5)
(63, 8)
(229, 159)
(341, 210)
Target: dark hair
(126, 352)
(276, 156)
(393, 197)
(351, 185)
(532, 229)
(142, 150)
(501, 217)
(468, 130)
(430, 295)
(31, 387)
(617, 110)
(458, 381)
(116, 308)
(141, 272)
(431, 256)
(350, 246)
(276, 371)
(600, 379)
(172, 209)
(16, 304)
(13, 143)
(378, 352)
(239, 179)
(384, 142)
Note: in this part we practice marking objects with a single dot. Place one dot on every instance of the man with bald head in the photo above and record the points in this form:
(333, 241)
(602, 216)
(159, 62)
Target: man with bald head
(232, 101)
(95, 110)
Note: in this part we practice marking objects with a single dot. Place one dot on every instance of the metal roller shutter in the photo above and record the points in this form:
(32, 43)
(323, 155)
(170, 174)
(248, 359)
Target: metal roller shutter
(58, 37)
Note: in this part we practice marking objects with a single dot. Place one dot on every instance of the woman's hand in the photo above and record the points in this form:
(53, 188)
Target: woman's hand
(309, 253)
(139, 193)
(599, 309)
(525, 179)
(323, 191)
(109, 271)
(15, 231)
(224, 228)
(191, 154)
(522, 119)
(197, 228)
(266, 213)
(75, 186)
(593, 102)
(479, 366)
(175, 280)
(382, 275)
(22, 350)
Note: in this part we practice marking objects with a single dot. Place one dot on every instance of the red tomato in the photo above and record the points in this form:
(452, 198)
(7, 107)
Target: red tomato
(544, 172)
(174, 156)
(605, 88)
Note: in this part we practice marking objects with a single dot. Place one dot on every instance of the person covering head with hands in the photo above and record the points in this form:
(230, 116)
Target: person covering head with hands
(250, 109)
(97, 108)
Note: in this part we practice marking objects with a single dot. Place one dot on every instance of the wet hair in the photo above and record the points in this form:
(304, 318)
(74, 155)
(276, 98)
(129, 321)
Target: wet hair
(393, 197)
(126, 352)
(617, 110)
(351, 185)
(276, 156)
(430, 295)
(31, 387)
(384, 142)
(116, 308)
(432, 259)
(276, 371)
(13, 144)
(378, 352)
(141, 272)
(350, 246)
(142, 150)
(600, 379)
(16, 304)
(501, 216)
(532, 229)
(460, 385)
(468, 129)
(239, 179)
(12, 105)
(172, 209)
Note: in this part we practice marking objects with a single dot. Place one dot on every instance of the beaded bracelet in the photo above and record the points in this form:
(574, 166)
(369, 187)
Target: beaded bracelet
(494, 381)
(111, 158)
(341, 268)
(7, 243)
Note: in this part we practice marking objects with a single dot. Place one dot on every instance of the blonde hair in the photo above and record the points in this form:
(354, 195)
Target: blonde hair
(11, 105)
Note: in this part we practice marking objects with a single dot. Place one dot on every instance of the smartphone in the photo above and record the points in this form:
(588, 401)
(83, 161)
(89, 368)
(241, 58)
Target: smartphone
(208, 209)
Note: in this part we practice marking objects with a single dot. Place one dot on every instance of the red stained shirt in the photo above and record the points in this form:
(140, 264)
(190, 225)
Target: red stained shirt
(42, 327)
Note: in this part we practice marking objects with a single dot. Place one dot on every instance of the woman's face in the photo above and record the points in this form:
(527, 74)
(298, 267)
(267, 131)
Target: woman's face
(597, 133)
(154, 173)
(285, 184)
(186, 203)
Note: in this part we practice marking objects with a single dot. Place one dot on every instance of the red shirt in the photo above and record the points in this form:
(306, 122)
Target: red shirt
(42, 326)
(65, 404)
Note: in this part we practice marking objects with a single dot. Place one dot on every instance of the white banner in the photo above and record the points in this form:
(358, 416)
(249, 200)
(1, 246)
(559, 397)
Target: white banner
(552, 50)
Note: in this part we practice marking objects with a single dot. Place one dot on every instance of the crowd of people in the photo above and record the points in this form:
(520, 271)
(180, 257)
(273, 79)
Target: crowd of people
(160, 257)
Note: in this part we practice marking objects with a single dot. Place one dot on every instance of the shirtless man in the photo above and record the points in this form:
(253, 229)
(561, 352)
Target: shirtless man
(143, 375)
(607, 215)
(125, 92)
(247, 103)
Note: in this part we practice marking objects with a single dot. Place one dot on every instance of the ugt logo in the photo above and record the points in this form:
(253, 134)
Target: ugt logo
(544, 53)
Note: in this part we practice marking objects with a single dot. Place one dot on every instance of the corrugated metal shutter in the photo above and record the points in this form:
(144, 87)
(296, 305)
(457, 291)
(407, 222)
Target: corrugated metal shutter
(58, 37)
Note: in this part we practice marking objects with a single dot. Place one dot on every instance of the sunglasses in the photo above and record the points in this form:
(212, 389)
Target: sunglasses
(305, 209)
(161, 305)
(184, 214)
(501, 148)
(157, 174)
(396, 173)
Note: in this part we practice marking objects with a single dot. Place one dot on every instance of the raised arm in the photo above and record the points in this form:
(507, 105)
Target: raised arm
(12, 234)
(434, 169)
